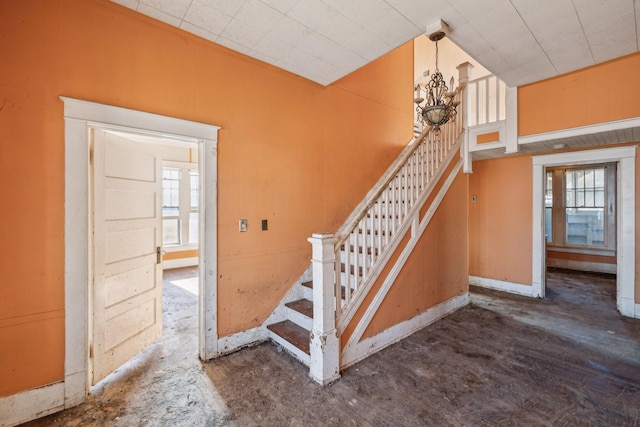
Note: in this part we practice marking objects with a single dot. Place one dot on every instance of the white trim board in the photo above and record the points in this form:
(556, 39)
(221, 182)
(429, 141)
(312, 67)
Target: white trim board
(79, 117)
(31, 404)
(501, 285)
(238, 341)
(580, 131)
(354, 353)
(625, 222)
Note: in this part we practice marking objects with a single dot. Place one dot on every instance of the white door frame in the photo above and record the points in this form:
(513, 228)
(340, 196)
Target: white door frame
(625, 221)
(79, 117)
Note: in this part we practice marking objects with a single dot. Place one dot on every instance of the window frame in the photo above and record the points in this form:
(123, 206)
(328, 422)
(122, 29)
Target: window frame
(559, 207)
(184, 209)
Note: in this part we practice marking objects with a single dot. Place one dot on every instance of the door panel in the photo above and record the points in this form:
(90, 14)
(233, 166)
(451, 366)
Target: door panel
(127, 286)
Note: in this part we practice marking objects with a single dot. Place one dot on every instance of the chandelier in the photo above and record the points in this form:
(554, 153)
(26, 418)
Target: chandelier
(440, 106)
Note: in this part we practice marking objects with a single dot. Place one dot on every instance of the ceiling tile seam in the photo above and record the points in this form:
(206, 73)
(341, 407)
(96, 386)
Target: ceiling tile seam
(355, 25)
(536, 39)
(185, 12)
(424, 30)
(593, 60)
(312, 31)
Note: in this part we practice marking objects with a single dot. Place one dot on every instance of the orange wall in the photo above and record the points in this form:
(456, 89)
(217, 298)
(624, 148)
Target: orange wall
(180, 255)
(500, 219)
(290, 151)
(597, 94)
(436, 270)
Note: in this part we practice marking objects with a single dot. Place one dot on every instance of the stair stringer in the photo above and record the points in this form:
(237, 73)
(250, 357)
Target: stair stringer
(356, 350)
(360, 296)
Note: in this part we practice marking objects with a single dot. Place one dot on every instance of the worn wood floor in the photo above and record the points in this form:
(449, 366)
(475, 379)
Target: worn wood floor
(504, 360)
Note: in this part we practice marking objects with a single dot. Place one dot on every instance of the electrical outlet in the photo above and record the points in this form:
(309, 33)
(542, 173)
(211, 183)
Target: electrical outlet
(242, 225)
(474, 198)
(265, 225)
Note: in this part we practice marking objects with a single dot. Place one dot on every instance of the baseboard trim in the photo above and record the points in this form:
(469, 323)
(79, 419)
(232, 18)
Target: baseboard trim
(31, 404)
(501, 285)
(598, 267)
(240, 340)
(354, 353)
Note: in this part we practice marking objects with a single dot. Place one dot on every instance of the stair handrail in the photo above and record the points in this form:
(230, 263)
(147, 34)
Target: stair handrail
(385, 180)
(415, 173)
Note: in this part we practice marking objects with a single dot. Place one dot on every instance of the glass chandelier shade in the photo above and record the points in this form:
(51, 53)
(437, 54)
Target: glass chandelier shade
(439, 103)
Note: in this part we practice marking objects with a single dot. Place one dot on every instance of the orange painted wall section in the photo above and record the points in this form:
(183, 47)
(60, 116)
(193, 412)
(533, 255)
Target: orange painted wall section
(180, 255)
(579, 98)
(500, 220)
(290, 151)
(436, 270)
(488, 137)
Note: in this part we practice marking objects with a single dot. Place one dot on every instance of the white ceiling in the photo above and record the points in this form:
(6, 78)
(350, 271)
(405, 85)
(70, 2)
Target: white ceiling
(521, 41)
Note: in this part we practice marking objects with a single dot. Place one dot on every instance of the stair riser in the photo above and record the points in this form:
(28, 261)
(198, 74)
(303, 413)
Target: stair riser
(291, 349)
(300, 319)
(307, 293)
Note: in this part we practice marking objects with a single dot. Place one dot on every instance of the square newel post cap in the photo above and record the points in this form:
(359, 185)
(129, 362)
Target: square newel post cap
(464, 72)
(322, 246)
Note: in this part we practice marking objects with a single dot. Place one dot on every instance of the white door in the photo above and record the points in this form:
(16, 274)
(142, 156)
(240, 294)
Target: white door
(127, 236)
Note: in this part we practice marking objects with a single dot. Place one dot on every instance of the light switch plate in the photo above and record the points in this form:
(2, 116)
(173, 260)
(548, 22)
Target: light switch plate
(242, 225)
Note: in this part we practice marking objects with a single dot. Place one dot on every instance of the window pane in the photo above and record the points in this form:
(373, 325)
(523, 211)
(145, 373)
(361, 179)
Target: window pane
(568, 176)
(588, 178)
(589, 198)
(548, 192)
(171, 231)
(599, 176)
(579, 179)
(170, 189)
(599, 200)
(193, 227)
(585, 226)
(548, 230)
(580, 198)
(195, 190)
(170, 211)
(570, 201)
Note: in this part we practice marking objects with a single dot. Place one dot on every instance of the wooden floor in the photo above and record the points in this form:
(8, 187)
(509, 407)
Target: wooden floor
(504, 360)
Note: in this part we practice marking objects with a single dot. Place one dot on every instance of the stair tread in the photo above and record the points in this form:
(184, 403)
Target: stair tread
(308, 284)
(293, 333)
(303, 306)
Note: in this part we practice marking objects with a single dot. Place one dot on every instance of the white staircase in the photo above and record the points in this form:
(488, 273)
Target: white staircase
(313, 315)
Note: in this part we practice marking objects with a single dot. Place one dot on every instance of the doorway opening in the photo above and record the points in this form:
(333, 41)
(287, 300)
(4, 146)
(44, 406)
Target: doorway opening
(560, 219)
(80, 117)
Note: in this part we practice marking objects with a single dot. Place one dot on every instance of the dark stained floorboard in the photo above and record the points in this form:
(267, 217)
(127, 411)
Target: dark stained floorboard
(475, 367)
(504, 360)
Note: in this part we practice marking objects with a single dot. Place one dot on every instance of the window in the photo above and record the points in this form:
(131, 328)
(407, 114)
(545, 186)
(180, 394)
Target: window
(180, 202)
(580, 207)
(195, 201)
(171, 206)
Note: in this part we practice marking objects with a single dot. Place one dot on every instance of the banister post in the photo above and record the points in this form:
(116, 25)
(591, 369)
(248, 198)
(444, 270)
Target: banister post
(324, 342)
(464, 75)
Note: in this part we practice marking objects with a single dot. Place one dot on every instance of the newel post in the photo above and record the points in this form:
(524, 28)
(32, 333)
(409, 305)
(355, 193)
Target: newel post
(324, 343)
(464, 75)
